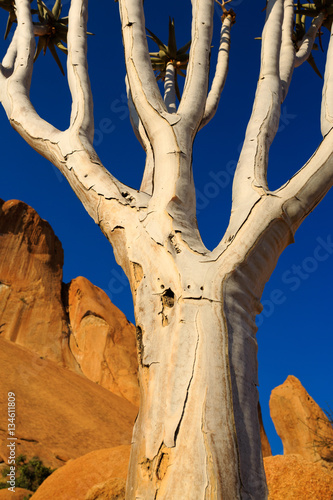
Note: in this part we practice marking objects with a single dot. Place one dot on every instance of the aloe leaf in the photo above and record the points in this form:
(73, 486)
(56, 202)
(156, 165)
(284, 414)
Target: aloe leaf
(63, 20)
(172, 45)
(48, 12)
(40, 46)
(60, 45)
(156, 60)
(56, 57)
(184, 49)
(181, 73)
(158, 42)
(40, 6)
(56, 10)
(11, 19)
(313, 65)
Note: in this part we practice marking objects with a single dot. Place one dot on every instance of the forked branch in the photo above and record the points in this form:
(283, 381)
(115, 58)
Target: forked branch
(221, 71)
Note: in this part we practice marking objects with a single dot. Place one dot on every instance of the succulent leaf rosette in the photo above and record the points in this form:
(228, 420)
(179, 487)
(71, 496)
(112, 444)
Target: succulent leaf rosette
(169, 54)
(51, 29)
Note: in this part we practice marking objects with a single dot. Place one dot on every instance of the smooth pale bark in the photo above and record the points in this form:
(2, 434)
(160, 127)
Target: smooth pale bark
(197, 433)
(169, 88)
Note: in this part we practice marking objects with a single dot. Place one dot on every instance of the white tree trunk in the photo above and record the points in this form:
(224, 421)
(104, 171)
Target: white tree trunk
(197, 433)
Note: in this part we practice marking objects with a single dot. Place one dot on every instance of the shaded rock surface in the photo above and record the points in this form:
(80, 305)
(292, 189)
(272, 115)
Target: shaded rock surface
(102, 340)
(31, 309)
(81, 478)
(39, 312)
(291, 477)
(60, 415)
(301, 424)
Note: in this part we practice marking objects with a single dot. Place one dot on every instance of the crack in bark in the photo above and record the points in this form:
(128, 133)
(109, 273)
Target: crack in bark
(187, 390)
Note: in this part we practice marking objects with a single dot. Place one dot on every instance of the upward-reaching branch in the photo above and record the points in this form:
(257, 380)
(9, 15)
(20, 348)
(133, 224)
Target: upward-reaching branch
(327, 99)
(82, 117)
(287, 53)
(192, 105)
(307, 43)
(146, 96)
(250, 180)
(221, 71)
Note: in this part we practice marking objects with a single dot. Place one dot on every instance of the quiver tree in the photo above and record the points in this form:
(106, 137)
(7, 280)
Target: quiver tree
(197, 432)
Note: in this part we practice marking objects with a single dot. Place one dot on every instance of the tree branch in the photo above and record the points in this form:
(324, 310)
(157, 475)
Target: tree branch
(82, 118)
(15, 88)
(192, 105)
(82, 168)
(140, 133)
(287, 53)
(221, 71)
(327, 99)
(250, 180)
(146, 96)
(308, 187)
(169, 89)
(307, 43)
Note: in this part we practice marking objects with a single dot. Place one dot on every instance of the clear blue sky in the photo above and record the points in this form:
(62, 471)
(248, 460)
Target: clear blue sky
(295, 333)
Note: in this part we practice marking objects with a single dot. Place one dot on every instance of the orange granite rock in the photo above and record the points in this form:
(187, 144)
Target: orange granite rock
(75, 480)
(18, 494)
(60, 415)
(102, 340)
(302, 426)
(291, 477)
(112, 489)
(31, 309)
(41, 313)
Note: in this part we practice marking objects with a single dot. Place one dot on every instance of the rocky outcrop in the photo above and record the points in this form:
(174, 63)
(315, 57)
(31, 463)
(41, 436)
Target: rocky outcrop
(31, 309)
(82, 478)
(18, 494)
(102, 340)
(291, 477)
(54, 320)
(112, 489)
(102, 475)
(302, 426)
(60, 415)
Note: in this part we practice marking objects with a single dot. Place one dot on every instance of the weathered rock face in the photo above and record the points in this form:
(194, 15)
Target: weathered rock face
(38, 312)
(102, 340)
(302, 426)
(31, 310)
(60, 415)
(291, 477)
(102, 472)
